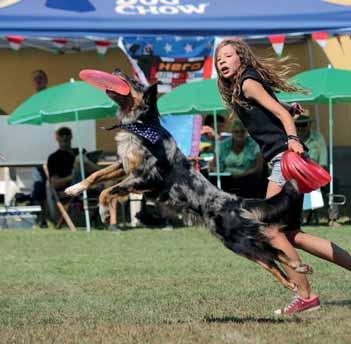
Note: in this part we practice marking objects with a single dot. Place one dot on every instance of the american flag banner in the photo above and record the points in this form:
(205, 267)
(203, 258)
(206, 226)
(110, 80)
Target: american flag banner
(171, 60)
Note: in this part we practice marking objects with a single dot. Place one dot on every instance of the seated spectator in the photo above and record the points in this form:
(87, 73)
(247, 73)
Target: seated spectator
(207, 144)
(207, 131)
(317, 149)
(208, 134)
(64, 165)
(245, 164)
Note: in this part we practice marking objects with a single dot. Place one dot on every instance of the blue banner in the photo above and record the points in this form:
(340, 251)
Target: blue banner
(172, 60)
(177, 17)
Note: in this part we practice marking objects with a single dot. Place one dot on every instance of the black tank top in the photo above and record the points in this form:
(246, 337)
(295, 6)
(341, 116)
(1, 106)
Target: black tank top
(264, 127)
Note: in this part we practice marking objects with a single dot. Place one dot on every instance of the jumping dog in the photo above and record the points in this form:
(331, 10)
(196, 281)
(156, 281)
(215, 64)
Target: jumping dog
(149, 162)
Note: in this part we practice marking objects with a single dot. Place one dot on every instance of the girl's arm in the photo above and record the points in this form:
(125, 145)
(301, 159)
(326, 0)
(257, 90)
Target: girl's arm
(254, 90)
(295, 109)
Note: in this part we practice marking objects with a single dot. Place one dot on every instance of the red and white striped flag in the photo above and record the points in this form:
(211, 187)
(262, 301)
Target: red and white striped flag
(277, 42)
(321, 38)
(59, 43)
(102, 46)
(15, 42)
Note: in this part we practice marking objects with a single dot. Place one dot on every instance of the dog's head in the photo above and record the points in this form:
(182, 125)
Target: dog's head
(139, 104)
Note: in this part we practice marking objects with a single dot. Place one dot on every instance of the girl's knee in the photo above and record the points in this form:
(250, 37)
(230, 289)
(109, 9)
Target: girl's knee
(294, 236)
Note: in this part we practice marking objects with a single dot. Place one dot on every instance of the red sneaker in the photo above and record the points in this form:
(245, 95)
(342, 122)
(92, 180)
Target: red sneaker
(298, 305)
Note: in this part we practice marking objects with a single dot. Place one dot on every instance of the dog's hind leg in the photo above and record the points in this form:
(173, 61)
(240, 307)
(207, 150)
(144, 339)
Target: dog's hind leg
(278, 274)
(111, 172)
(280, 246)
(264, 259)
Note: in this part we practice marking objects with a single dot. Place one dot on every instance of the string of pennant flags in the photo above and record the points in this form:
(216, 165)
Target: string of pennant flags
(62, 45)
(278, 41)
(171, 60)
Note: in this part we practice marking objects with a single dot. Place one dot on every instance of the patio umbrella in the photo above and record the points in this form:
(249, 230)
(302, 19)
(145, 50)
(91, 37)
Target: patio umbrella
(71, 101)
(193, 98)
(198, 97)
(327, 86)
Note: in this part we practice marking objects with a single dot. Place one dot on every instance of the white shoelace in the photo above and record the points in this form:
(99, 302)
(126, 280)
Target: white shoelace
(293, 303)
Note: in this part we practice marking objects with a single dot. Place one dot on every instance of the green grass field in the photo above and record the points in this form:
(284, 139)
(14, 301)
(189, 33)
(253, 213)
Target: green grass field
(153, 286)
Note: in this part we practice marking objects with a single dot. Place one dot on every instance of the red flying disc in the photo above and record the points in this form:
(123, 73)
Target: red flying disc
(308, 174)
(105, 81)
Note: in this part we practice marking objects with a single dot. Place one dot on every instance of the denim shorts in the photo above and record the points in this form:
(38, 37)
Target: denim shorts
(276, 171)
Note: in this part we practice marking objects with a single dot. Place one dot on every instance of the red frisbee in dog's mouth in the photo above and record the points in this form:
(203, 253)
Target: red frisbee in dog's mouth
(105, 81)
(308, 174)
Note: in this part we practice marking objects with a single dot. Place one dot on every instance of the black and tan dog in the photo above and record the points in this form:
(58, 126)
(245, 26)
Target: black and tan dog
(150, 162)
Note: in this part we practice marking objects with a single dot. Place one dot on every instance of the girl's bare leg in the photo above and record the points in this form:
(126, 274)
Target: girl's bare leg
(321, 248)
(280, 241)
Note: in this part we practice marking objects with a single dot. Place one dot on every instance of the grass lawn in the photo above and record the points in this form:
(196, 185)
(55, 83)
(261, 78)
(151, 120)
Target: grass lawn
(153, 286)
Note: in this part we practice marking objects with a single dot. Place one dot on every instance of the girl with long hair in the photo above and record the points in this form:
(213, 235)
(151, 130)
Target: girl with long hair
(247, 85)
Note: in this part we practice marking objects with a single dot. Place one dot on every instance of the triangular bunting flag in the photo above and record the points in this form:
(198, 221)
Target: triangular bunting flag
(59, 43)
(15, 42)
(277, 42)
(321, 38)
(102, 46)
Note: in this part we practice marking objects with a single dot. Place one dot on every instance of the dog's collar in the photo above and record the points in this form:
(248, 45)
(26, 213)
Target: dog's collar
(150, 130)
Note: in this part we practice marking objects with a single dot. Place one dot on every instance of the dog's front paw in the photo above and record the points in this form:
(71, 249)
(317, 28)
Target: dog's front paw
(304, 269)
(75, 189)
(104, 213)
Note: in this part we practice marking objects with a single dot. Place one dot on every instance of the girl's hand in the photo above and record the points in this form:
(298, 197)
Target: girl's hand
(295, 146)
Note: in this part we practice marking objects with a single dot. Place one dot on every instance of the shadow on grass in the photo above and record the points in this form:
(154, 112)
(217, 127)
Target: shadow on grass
(244, 320)
(338, 303)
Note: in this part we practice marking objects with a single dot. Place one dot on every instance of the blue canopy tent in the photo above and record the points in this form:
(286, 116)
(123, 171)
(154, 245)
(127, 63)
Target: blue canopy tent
(108, 18)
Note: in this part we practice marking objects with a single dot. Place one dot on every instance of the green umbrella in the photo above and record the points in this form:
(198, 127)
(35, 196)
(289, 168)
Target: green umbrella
(71, 101)
(63, 103)
(193, 98)
(197, 97)
(323, 85)
(327, 86)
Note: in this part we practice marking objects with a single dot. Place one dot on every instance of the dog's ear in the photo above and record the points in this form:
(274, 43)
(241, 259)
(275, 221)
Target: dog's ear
(150, 97)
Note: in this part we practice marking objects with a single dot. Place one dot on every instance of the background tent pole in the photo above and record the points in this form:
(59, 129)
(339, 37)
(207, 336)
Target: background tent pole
(217, 149)
(311, 66)
(81, 161)
(331, 165)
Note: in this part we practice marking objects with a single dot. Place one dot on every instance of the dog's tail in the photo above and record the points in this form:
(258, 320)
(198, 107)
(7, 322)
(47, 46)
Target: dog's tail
(275, 209)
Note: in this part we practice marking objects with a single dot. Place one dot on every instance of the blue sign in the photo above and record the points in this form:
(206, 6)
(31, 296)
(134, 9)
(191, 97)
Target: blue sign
(108, 18)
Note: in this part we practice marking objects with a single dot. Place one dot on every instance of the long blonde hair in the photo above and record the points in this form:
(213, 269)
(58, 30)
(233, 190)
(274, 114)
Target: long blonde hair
(274, 71)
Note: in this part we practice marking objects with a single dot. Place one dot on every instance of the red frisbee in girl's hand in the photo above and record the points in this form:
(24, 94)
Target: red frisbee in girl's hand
(308, 174)
(105, 81)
